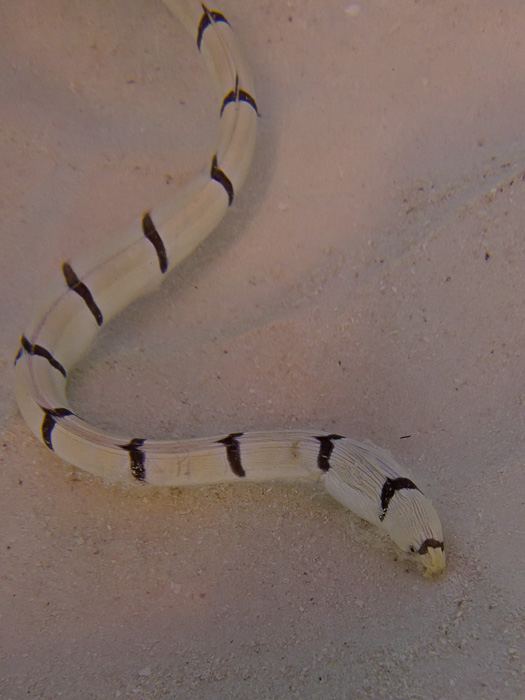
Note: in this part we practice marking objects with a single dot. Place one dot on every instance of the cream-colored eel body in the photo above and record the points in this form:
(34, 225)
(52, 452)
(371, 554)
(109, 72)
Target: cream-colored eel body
(90, 292)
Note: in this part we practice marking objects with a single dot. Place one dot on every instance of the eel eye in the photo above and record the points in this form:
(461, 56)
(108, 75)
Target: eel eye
(412, 549)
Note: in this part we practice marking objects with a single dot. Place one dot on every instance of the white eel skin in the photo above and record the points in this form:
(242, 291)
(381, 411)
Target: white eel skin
(90, 292)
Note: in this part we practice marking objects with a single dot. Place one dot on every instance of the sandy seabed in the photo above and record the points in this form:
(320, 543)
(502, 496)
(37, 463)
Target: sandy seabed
(370, 281)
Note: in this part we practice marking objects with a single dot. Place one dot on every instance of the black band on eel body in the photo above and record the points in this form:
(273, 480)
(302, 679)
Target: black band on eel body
(239, 95)
(208, 16)
(49, 422)
(137, 458)
(389, 489)
(81, 289)
(38, 350)
(220, 176)
(434, 544)
(326, 446)
(233, 453)
(153, 236)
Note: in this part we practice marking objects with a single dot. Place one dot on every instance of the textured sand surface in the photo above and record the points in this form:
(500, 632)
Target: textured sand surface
(370, 281)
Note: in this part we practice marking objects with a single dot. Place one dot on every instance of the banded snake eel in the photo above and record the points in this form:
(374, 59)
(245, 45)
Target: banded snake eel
(89, 293)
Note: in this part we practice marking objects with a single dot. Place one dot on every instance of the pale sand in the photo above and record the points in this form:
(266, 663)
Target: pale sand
(369, 280)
